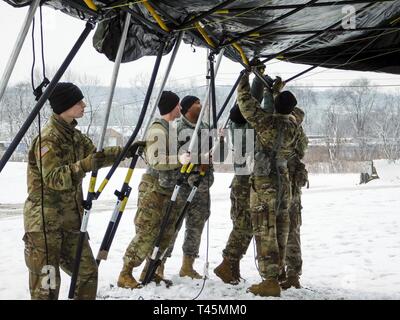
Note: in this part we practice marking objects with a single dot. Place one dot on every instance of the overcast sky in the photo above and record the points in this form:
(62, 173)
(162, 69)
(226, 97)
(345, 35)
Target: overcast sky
(61, 31)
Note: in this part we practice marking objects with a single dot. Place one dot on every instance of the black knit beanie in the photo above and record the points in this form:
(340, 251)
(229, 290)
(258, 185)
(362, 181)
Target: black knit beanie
(168, 102)
(236, 116)
(187, 102)
(285, 102)
(64, 96)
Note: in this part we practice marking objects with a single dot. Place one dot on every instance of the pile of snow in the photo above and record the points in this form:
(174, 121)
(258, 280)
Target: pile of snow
(388, 172)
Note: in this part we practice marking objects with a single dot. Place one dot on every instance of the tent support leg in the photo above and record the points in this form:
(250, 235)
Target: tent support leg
(18, 46)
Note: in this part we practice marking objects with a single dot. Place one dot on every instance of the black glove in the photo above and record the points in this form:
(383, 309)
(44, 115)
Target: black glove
(278, 85)
(137, 146)
(258, 65)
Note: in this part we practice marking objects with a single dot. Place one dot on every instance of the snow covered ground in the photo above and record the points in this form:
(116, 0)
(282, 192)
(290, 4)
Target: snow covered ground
(350, 234)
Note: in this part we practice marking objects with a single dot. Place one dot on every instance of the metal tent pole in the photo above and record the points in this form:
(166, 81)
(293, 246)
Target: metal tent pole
(196, 129)
(89, 27)
(123, 194)
(91, 191)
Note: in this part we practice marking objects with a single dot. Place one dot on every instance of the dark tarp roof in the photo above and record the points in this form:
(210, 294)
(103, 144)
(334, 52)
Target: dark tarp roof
(365, 49)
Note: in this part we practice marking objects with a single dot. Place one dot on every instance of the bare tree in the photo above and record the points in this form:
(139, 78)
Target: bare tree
(387, 126)
(89, 86)
(359, 99)
(16, 106)
(306, 100)
(334, 137)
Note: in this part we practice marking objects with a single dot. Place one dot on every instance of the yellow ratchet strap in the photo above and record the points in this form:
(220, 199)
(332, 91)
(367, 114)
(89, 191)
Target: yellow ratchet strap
(90, 4)
(156, 16)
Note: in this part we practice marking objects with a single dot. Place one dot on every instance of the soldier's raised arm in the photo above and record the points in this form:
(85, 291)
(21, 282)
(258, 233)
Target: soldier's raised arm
(257, 89)
(250, 107)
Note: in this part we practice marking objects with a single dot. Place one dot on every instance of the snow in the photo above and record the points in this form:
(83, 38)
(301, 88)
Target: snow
(350, 241)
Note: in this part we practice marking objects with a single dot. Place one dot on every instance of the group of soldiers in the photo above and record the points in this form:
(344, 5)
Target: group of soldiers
(265, 200)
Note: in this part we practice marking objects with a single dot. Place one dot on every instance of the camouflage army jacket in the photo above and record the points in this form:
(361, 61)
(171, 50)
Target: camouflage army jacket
(160, 155)
(275, 132)
(62, 146)
(239, 131)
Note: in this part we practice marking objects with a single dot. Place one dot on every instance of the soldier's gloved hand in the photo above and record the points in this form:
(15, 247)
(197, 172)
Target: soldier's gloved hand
(244, 81)
(98, 160)
(111, 153)
(258, 65)
(93, 161)
(135, 147)
(278, 85)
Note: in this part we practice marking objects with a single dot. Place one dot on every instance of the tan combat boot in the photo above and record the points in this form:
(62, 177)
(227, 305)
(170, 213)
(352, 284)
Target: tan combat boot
(266, 288)
(228, 271)
(125, 279)
(187, 268)
(291, 281)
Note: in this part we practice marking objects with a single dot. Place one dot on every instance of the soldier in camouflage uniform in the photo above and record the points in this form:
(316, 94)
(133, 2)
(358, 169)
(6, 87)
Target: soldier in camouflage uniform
(298, 178)
(155, 191)
(270, 186)
(239, 238)
(199, 210)
(58, 161)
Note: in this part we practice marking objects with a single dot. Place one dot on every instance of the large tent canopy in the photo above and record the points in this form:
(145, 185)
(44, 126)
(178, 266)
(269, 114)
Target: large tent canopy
(350, 35)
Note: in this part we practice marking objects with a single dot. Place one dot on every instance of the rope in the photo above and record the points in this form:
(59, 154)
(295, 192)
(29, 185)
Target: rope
(42, 42)
(33, 55)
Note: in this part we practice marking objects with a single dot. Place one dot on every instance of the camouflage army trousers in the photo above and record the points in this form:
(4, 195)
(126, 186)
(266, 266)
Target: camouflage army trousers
(270, 227)
(195, 219)
(152, 206)
(242, 233)
(61, 246)
(294, 261)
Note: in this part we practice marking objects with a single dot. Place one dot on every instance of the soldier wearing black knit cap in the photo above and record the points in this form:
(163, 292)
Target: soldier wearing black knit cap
(59, 159)
(199, 210)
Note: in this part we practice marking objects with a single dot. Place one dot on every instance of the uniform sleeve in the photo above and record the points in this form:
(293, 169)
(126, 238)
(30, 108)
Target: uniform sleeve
(268, 104)
(157, 154)
(56, 175)
(88, 145)
(254, 115)
(112, 154)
